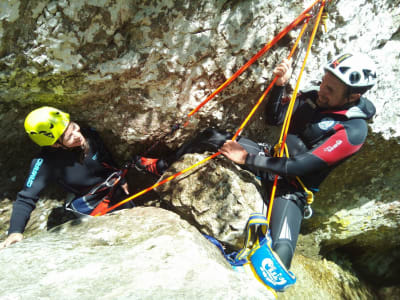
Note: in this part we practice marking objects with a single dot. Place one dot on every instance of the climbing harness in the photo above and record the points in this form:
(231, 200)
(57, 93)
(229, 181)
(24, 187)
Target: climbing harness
(98, 199)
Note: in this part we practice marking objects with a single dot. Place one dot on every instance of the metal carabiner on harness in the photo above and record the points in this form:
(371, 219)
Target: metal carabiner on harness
(308, 212)
(109, 183)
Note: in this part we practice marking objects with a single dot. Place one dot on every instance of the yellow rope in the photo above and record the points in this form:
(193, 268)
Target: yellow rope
(285, 128)
(324, 18)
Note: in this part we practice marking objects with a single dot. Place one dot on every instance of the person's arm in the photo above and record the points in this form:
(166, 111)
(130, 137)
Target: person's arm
(26, 201)
(342, 144)
(275, 110)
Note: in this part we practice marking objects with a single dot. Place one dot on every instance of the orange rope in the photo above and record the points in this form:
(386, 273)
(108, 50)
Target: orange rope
(158, 184)
(288, 116)
(217, 153)
(268, 46)
(271, 84)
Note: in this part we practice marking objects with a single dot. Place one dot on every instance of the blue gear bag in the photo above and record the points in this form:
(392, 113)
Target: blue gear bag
(258, 252)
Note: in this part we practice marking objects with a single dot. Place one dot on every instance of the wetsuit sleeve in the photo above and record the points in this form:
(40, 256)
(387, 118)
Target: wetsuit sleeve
(275, 110)
(27, 198)
(346, 141)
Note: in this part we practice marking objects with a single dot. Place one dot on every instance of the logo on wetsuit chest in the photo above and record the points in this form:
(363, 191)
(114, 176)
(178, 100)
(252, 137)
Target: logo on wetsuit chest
(34, 172)
(326, 123)
(334, 146)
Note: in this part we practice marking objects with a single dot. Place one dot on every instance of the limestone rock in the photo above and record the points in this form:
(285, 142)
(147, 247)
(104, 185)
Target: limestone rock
(322, 279)
(142, 253)
(217, 197)
(148, 253)
(132, 69)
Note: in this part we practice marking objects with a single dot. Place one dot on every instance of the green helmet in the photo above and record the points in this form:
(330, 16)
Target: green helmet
(46, 124)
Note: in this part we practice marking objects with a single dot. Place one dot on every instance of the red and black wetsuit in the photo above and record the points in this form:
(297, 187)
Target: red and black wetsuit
(63, 167)
(318, 140)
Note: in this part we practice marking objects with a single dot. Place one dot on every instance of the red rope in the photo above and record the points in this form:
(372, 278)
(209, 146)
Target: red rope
(268, 46)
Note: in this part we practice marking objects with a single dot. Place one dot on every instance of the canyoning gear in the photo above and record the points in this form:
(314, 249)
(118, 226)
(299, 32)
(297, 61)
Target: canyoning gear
(65, 168)
(99, 198)
(287, 179)
(270, 269)
(317, 139)
(46, 124)
(357, 71)
(153, 166)
(235, 136)
(257, 253)
(334, 135)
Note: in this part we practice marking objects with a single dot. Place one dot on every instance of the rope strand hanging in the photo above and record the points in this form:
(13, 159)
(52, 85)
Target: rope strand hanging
(268, 46)
(285, 127)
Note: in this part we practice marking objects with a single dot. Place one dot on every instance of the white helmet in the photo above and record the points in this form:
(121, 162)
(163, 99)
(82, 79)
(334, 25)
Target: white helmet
(357, 71)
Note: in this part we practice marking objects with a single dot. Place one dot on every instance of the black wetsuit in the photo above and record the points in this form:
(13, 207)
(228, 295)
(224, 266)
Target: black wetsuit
(318, 140)
(64, 167)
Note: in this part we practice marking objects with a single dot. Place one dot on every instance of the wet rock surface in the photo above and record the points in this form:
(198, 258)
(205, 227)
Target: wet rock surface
(133, 69)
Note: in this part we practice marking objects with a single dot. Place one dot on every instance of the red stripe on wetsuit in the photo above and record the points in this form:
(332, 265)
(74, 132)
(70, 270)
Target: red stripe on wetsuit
(337, 147)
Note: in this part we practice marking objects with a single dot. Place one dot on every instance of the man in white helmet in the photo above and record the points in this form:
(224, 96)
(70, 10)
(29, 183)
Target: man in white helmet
(329, 124)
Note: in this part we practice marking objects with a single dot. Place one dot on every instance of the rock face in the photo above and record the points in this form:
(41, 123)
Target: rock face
(217, 197)
(143, 253)
(133, 69)
(146, 253)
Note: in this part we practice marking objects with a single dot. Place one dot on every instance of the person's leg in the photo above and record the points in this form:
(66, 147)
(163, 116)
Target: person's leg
(286, 218)
(119, 195)
(210, 139)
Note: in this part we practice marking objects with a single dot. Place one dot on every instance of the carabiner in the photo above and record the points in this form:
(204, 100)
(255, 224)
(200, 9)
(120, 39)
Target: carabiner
(308, 212)
(108, 182)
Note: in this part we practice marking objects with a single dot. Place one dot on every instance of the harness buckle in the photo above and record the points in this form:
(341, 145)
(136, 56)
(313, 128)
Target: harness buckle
(308, 212)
